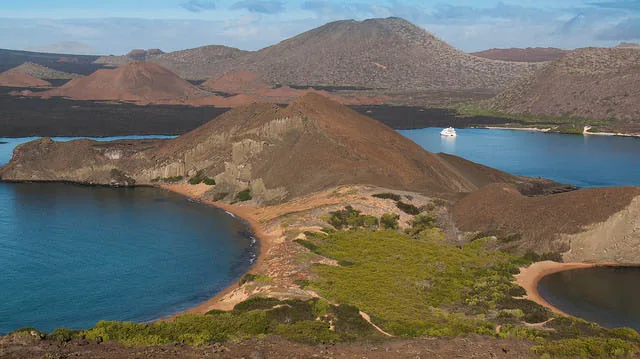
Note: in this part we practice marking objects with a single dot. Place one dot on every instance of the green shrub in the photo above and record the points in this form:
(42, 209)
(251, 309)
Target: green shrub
(548, 256)
(408, 208)
(389, 221)
(244, 196)
(200, 177)
(586, 348)
(307, 244)
(259, 278)
(351, 218)
(64, 334)
(533, 312)
(420, 223)
(310, 332)
(387, 195)
(303, 283)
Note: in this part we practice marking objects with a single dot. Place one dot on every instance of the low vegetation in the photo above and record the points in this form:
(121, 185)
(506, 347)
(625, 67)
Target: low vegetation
(349, 218)
(200, 177)
(388, 195)
(301, 321)
(244, 196)
(174, 179)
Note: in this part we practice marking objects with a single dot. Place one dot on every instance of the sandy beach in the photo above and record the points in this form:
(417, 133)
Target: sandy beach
(529, 277)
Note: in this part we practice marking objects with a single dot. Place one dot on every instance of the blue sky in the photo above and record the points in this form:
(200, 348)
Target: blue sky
(116, 26)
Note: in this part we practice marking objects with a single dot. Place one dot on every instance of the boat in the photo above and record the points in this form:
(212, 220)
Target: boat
(449, 132)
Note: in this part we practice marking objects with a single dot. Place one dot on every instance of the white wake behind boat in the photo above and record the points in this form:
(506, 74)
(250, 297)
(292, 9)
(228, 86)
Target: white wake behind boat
(449, 132)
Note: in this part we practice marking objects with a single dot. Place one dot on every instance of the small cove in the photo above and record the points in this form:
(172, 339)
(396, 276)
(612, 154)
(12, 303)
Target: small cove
(605, 295)
(72, 255)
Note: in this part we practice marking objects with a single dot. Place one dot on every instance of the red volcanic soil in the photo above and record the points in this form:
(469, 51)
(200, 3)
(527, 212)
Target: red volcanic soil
(237, 82)
(139, 82)
(530, 54)
(11, 79)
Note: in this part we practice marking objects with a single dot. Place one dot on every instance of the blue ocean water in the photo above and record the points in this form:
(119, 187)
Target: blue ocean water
(583, 161)
(72, 255)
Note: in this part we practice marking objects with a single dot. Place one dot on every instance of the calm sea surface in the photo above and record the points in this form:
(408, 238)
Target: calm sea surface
(73, 255)
(608, 296)
(589, 161)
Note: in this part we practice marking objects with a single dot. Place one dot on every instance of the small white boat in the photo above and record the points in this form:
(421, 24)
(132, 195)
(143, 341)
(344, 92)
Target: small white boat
(449, 132)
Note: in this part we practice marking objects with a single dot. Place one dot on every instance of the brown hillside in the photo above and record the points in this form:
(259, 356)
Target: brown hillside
(140, 82)
(596, 83)
(14, 79)
(379, 53)
(193, 64)
(530, 54)
(278, 153)
(387, 53)
(237, 82)
(501, 209)
(42, 72)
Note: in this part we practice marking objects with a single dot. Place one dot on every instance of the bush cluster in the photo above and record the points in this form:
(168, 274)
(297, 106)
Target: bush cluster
(244, 196)
(352, 218)
(200, 177)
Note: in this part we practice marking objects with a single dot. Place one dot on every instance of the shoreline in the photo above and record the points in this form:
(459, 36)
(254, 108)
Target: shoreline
(529, 278)
(265, 242)
(533, 129)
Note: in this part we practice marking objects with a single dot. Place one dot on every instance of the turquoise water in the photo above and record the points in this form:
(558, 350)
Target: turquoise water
(72, 255)
(583, 161)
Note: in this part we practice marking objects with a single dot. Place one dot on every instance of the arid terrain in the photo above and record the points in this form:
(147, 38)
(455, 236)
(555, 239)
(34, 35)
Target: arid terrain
(15, 79)
(591, 83)
(392, 54)
(42, 72)
(530, 54)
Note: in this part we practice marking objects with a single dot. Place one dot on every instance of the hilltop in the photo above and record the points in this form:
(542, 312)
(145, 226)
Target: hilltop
(193, 64)
(530, 54)
(591, 83)
(389, 53)
(14, 79)
(139, 82)
(42, 72)
(276, 153)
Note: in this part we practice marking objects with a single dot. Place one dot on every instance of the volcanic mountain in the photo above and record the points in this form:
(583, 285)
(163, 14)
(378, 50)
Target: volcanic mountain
(530, 54)
(139, 82)
(42, 72)
(14, 79)
(379, 53)
(193, 64)
(387, 53)
(277, 153)
(594, 83)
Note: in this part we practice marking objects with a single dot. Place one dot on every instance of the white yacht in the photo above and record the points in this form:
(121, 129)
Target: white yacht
(449, 132)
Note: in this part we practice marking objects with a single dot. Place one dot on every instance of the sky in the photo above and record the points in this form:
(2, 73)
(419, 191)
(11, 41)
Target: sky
(117, 26)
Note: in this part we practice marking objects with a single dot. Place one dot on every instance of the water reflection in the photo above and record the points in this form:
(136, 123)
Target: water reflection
(448, 144)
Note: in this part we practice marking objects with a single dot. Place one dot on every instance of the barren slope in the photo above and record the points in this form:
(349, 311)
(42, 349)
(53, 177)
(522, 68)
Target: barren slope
(530, 54)
(193, 64)
(42, 72)
(140, 82)
(13, 79)
(379, 53)
(237, 82)
(595, 83)
(555, 223)
(277, 153)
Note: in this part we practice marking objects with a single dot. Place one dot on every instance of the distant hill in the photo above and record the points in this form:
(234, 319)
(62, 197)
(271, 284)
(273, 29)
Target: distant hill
(192, 64)
(139, 82)
(42, 72)
(77, 64)
(387, 53)
(628, 45)
(593, 83)
(66, 47)
(237, 82)
(278, 153)
(13, 79)
(530, 54)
